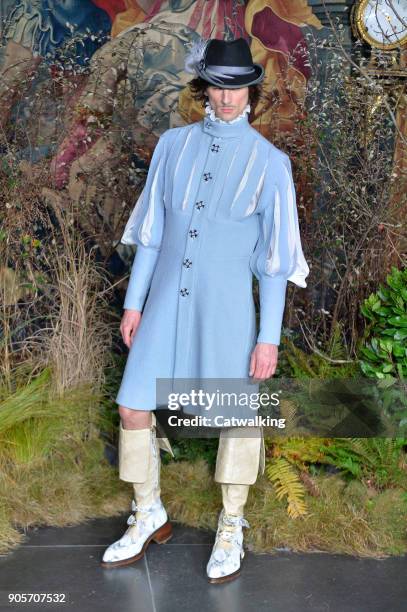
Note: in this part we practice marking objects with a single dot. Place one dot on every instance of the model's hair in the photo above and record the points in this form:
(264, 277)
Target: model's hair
(198, 86)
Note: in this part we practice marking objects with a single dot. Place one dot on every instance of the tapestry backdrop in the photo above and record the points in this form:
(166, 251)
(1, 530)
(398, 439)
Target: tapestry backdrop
(81, 56)
(38, 30)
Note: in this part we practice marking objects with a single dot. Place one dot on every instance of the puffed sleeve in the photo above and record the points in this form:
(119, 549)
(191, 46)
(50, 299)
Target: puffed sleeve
(277, 256)
(145, 229)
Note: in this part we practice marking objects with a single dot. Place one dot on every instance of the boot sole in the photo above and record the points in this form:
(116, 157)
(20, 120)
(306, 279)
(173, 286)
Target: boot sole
(160, 536)
(227, 578)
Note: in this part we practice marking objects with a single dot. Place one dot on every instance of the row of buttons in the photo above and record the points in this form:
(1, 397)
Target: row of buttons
(207, 176)
(193, 234)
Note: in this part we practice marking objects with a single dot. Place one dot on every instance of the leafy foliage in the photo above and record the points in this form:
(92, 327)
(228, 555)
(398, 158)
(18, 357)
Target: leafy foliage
(192, 449)
(384, 347)
(381, 462)
(331, 363)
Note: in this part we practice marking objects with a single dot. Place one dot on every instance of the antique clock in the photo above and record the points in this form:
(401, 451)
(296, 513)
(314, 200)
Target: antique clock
(382, 25)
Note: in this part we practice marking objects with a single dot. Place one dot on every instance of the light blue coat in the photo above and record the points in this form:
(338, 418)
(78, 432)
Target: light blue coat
(218, 206)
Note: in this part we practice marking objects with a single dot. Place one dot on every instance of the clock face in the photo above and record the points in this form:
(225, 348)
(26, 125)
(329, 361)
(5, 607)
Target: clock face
(382, 23)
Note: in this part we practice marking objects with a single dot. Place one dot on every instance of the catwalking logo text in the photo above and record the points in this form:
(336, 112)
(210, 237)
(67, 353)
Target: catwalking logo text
(222, 421)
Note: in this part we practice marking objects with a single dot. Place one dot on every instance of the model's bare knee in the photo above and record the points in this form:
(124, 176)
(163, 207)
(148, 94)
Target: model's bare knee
(134, 419)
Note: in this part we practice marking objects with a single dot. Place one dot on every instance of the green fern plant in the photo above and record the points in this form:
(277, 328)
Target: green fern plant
(287, 484)
(300, 451)
(380, 462)
(333, 362)
(285, 456)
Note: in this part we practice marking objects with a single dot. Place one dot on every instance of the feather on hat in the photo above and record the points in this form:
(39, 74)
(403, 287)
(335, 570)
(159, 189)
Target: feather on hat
(195, 55)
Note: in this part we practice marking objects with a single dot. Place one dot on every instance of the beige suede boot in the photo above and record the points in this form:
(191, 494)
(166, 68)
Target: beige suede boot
(140, 463)
(241, 454)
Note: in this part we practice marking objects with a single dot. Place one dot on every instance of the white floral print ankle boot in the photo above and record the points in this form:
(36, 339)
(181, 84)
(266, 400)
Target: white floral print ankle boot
(145, 525)
(139, 462)
(227, 553)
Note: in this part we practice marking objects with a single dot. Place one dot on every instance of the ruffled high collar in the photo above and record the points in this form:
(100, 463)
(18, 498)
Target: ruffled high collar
(210, 111)
(215, 126)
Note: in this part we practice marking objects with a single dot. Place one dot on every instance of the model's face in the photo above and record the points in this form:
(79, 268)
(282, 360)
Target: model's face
(227, 103)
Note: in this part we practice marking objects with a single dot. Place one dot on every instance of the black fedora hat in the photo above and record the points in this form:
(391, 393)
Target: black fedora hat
(226, 64)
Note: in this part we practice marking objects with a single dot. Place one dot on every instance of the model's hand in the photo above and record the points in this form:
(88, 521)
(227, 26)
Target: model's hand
(263, 361)
(129, 324)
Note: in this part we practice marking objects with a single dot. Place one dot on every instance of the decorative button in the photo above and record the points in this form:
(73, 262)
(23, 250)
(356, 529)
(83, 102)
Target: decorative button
(207, 176)
(187, 263)
(193, 233)
(215, 148)
(184, 291)
(199, 204)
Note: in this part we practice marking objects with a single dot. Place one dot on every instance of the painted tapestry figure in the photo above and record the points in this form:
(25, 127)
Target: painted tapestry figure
(218, 206)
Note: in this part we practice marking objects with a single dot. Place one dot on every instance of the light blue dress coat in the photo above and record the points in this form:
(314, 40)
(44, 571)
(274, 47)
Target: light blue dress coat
(218, 206)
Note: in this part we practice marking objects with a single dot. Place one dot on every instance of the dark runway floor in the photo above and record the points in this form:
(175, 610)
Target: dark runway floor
(172, 578)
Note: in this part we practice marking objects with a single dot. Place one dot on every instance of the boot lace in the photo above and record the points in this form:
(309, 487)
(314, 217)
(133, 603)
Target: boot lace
(228, 520)
(143, 509)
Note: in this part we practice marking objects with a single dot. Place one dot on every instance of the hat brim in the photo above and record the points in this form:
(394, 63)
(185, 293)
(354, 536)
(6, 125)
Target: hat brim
(238, 81)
